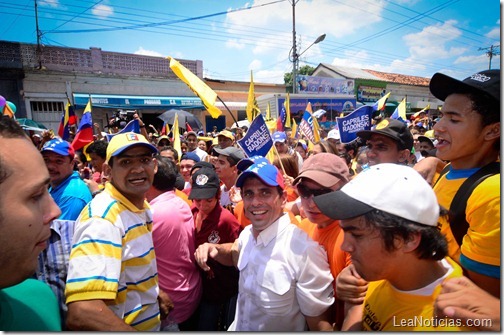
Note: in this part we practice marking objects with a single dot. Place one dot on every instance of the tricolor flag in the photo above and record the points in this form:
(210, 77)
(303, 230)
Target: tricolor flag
(166, 129)
(380, 104)
(202, 90)
(132, 126)
(400, 111)
(282, 117)
(84, 134)
(306, 126)
(67, 119)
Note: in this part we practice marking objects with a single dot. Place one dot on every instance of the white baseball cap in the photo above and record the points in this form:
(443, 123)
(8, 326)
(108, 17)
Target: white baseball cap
(392, 188)
(335, 134)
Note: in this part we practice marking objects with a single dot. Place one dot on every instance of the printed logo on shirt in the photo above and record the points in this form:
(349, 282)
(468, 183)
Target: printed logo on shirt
(214, 237)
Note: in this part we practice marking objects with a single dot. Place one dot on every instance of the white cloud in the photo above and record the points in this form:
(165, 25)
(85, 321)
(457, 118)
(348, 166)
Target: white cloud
(480, 60)
(50, 3)
(268, 76)
(102, 11)
(255, 65)
(494, 33)
(234, 44)
(142, 51)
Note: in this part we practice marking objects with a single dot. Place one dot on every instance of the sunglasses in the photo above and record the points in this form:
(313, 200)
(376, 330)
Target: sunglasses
(306, 193)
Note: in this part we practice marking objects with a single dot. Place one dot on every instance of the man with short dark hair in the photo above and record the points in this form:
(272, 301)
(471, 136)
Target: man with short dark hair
(468, 136)
(225, 139)
(112, 282)
(225, 166)
(285, 282)
(192, 145)
(390, 142)
(26, 211)
(395, 245)
(173, 236)
(323, 173)
(71, 194)
(187, 161)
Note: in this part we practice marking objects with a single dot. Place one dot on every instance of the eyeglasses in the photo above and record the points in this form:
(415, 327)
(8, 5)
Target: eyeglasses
(306, 193)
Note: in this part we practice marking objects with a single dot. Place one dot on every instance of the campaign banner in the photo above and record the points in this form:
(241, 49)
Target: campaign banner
(359, 119)
(257, 141)
(306, 126)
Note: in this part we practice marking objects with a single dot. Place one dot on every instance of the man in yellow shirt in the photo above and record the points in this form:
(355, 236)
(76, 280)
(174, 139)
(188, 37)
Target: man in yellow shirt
(389, 215)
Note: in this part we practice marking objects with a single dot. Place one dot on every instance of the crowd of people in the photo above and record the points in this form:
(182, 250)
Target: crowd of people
(397, 230)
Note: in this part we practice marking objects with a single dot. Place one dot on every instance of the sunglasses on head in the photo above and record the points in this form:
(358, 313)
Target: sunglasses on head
(305, 192)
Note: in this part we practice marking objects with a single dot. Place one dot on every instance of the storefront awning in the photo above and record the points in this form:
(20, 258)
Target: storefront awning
(136, 102)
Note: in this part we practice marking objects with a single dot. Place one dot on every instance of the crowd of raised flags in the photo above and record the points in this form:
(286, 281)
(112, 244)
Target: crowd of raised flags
(260, 129)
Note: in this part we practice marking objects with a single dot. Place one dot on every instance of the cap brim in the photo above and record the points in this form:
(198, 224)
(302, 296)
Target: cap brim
(320, 177)
(441, 86)
(147, 145)
(366, 134)
(339, 206)
(202, 193)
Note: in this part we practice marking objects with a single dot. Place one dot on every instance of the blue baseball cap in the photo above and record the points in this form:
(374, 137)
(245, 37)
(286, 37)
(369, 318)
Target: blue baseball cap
(263, 170)
(59, 146)
(190, 155)
(279, 136)
(244, 163)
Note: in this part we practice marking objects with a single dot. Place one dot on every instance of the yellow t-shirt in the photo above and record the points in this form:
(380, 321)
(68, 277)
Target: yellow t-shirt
(388, 309)
(480, 251)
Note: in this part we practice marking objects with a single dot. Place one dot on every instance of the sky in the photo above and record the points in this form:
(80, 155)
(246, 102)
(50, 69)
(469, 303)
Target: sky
(233, 38)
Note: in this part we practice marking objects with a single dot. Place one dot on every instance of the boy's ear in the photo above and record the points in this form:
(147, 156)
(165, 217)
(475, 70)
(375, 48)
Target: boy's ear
(492, 131)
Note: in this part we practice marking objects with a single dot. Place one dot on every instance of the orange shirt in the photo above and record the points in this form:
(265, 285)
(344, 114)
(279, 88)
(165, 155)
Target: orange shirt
(184, 196)
(331, 238)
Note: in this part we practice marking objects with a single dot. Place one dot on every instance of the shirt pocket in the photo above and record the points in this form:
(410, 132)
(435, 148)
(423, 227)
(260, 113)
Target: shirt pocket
(276, 296)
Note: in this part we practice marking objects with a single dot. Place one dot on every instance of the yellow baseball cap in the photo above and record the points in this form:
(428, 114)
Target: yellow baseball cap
(121, 142)
(226, 133)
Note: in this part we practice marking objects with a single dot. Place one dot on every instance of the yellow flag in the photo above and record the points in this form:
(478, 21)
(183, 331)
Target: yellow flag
(176, 137)
(294, 129)
(268, 112)
(287, 111)
(205, 93)
(252, 107)
(272, 125)
(316, 127)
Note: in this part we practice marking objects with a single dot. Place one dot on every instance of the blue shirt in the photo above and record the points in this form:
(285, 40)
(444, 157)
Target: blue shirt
(71, 196)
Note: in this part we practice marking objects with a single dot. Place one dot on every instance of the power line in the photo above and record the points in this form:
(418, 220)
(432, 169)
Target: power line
(491, 51)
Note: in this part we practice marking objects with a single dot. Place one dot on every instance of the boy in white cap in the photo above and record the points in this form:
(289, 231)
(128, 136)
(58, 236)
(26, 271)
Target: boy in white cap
(392, 236)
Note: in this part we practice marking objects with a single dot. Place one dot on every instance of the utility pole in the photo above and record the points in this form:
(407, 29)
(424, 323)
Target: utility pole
(39, 35)
(295, 57)
(490, 53)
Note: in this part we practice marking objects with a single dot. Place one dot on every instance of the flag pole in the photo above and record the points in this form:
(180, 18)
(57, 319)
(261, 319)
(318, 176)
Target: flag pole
(228, 110)
(279, 159)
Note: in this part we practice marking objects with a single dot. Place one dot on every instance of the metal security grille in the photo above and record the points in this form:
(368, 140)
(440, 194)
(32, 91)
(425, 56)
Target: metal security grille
(47, 112)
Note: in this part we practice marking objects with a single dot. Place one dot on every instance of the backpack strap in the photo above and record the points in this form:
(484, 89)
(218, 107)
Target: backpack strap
(442, 173)
(457, 214)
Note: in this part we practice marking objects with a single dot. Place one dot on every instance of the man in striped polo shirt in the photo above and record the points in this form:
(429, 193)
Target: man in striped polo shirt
(112, 282)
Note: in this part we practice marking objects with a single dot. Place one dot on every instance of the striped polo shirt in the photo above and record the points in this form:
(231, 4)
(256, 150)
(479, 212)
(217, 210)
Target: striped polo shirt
(113, 259)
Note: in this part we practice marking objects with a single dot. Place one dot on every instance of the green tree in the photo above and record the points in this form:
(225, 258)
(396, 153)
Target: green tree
(303, 70)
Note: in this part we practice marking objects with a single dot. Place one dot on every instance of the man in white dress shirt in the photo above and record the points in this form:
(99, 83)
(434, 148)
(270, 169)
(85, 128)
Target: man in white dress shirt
(285, 282)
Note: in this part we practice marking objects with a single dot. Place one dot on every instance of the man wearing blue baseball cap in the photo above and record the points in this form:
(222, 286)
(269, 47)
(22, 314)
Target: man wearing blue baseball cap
(282, 145)
(112, 268)
(285, 282)
(71, 194)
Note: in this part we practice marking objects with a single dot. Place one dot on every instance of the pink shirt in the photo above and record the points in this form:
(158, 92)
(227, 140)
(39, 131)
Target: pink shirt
(174, 244)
